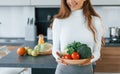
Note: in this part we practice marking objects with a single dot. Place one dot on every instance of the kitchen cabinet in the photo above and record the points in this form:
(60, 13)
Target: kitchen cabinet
(110, 60)
(14, 20)
(46, 3)
(105, 2)
(14, 2)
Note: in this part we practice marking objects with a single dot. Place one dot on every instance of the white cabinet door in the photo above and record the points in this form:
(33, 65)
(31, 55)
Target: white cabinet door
(105, 2)
(14, 2)
(14, 20)
(46, 2)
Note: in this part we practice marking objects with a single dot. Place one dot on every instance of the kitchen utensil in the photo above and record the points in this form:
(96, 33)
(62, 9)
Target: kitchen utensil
(112, 32)
(30, 33)
(28, 21)
(118, 32)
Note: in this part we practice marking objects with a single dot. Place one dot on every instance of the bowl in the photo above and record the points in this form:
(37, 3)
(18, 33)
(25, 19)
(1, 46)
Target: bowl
(74, 62)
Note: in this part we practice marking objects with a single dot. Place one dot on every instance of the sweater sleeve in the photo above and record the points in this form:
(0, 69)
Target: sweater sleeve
(100, 31)
(56, 38)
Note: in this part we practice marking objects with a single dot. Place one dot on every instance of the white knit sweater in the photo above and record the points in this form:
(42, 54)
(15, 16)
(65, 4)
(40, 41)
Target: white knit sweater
(74, 28)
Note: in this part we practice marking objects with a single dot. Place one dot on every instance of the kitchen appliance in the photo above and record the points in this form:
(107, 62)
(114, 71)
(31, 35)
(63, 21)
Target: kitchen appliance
(118, 32)
(114, 34)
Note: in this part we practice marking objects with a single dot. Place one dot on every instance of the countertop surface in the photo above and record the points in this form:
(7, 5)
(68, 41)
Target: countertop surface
(112, 45)
(13, 60)
(21, 41)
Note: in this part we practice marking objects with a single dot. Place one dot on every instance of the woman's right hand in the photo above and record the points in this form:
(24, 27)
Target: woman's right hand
(60, 60)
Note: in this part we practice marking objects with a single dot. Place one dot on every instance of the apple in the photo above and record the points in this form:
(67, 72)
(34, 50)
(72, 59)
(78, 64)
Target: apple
(29, 51)
(34, 53)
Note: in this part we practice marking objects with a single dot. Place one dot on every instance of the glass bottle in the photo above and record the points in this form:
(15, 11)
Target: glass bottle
(41, 39)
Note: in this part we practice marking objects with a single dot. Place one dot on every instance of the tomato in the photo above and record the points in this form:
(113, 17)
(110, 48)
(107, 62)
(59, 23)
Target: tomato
(75, 56)
(21, 51)
(67, 56)
(63, 57)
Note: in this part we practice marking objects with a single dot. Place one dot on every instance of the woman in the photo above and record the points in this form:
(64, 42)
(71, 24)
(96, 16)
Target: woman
(76, 21)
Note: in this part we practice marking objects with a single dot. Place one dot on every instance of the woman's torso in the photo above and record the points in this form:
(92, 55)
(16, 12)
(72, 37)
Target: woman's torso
(74, 28)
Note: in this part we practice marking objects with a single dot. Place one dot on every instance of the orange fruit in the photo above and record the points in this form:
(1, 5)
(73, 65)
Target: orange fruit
(21, 51)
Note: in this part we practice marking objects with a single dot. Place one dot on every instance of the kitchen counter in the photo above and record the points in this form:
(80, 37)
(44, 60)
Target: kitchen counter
(112, 45)
(108, 43)
(11, 41)
(21, 41)
(40, 62)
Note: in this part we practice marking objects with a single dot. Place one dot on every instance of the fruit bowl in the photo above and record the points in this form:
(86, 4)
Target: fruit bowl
(74, 62)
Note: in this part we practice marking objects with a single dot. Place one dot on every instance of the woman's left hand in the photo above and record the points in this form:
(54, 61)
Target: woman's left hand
(88, 62)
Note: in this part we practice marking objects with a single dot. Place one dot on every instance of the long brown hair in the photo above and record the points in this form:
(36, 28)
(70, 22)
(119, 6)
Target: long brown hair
(88, 12)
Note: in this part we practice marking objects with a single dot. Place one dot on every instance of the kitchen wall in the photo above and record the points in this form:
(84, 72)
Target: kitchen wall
(110, 16)
(13, 20)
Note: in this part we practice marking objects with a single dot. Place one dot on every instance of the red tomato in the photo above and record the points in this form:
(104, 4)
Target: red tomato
(63, 57)
(75, 55)
(67, 56)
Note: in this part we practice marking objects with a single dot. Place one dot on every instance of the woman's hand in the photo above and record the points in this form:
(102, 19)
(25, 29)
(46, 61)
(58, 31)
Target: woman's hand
(60, 60)
(88, 61)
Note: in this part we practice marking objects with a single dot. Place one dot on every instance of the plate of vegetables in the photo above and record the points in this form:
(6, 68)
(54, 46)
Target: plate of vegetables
(76, 53)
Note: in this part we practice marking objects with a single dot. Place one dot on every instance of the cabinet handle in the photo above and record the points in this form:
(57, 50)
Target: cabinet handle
(0, 23)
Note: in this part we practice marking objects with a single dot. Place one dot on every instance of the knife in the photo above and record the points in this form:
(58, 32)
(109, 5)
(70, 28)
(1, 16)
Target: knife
(28, 21)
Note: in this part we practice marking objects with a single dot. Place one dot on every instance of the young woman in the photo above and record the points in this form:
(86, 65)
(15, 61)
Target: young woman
(76, 21)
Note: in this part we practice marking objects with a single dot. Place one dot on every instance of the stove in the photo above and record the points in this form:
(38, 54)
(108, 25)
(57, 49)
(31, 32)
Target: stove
(112, 42)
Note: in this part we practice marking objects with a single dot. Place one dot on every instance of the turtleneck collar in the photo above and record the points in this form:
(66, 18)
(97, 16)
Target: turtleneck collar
(78, 12)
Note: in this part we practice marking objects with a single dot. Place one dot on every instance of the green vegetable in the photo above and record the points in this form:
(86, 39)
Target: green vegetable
(43, 47)
(73, 47)
(37, 47)
(84, 51)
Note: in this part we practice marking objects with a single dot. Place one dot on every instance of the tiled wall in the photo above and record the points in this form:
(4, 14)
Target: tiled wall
(110, 16)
